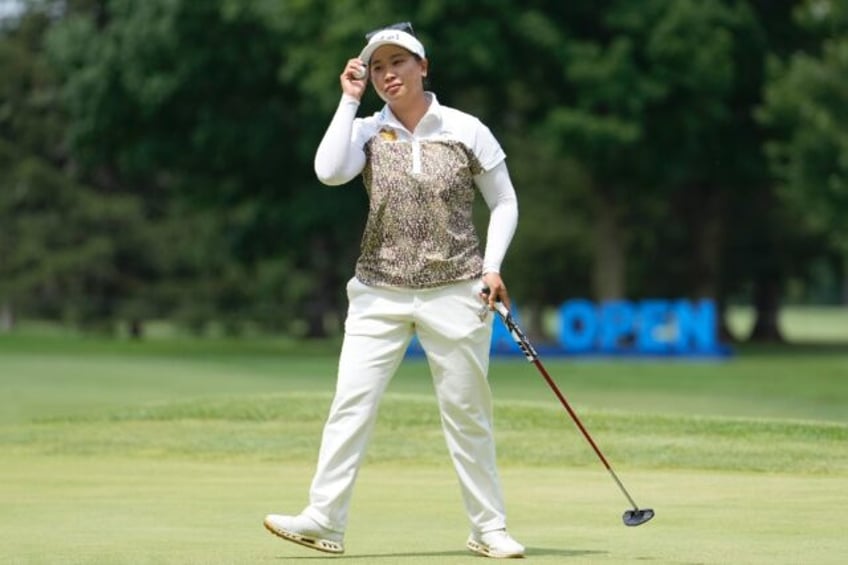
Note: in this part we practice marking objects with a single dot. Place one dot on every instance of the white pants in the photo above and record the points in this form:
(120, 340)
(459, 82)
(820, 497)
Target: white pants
(379, 326)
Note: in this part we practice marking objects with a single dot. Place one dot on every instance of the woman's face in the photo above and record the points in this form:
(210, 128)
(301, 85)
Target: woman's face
(396, 73)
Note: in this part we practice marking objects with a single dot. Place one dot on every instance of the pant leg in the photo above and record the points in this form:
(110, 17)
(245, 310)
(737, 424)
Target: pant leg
(457, 344)
(377, 332)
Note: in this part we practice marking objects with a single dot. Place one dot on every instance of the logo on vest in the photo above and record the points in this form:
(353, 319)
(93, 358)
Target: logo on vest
(388, 134)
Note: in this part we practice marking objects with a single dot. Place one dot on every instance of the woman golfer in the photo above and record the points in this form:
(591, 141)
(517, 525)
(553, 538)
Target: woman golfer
(420, 272)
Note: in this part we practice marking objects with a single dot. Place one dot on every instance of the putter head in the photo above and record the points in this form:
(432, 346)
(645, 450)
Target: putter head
(637, 517)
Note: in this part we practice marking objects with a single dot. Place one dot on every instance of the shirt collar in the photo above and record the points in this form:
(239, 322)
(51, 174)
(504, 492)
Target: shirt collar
(430, 122)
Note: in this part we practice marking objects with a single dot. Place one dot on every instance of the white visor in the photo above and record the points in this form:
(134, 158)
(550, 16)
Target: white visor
(392, 37)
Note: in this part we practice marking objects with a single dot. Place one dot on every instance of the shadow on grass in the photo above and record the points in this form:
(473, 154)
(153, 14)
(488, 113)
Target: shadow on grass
(531, 552)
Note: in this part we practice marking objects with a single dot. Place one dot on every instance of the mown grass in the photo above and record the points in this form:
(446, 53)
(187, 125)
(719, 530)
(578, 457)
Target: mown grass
(171, 450)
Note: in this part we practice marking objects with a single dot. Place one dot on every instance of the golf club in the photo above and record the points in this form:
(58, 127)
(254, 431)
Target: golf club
(634, 517)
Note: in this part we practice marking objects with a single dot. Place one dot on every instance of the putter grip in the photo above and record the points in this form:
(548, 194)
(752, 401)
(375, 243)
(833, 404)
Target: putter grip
(499, 306)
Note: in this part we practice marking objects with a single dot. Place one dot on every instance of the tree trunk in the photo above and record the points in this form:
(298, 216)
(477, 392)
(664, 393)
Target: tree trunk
(320, 304)
(844, 278)
(767, 311)
(7, 317)
(608, 273)
(708, 233)
(724, 333)
(314, 312)
(136, 329)
(534, 320)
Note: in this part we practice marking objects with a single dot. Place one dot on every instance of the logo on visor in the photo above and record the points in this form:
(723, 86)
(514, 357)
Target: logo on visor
(388, 36)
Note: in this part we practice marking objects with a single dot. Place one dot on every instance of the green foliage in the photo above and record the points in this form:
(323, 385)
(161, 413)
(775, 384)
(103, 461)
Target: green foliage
(629, 128)
(164, 89)
(62, 257)
(66, 251)
(806, 105)
(197, 106)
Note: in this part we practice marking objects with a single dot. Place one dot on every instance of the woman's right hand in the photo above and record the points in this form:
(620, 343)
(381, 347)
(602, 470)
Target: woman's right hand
(352, 85)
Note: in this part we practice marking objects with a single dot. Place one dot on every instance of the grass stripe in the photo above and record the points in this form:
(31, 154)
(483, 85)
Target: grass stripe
(288, 427)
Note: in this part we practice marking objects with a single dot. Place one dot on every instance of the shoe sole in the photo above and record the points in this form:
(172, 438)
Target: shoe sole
(486, 551)
(327, 546)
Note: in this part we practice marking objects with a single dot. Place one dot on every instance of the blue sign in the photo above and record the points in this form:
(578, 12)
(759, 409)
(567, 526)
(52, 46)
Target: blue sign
(623, 327)
(652, 327)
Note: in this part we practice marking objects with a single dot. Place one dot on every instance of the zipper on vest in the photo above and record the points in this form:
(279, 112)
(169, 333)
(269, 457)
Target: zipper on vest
(416, 157)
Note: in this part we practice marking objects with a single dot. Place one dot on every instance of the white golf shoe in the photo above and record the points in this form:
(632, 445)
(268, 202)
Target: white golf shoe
(305, 531)
(496, 543)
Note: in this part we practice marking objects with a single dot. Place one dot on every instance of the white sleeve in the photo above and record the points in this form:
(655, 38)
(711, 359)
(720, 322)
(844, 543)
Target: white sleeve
(486, 148)
(339, 158)
(499, 194)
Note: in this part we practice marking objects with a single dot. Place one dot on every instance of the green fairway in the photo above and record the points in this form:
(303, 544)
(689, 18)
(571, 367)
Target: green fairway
(172, 451)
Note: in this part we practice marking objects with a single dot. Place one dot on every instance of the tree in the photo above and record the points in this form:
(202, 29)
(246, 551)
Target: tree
(182, 104)
(69, 253)
(649, 94)
(806, 107)
(629, 130)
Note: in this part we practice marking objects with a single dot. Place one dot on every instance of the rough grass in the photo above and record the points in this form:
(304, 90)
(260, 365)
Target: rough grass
(287, 428)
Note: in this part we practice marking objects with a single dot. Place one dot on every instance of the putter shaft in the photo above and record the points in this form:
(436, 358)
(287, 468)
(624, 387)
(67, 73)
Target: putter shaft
(532, 356)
